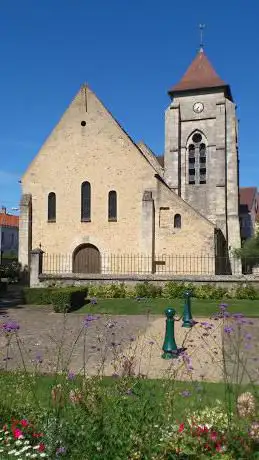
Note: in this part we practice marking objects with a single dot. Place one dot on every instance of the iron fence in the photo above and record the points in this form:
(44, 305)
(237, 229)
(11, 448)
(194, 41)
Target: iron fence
(138, 264)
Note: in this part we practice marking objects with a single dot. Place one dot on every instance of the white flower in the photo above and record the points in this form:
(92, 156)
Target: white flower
(11, 452)
(26, 442)
(36, 447)
(17, 453)
(43, 454)
(24, 449)
(33, 455)
(18, 442)
(1, 450)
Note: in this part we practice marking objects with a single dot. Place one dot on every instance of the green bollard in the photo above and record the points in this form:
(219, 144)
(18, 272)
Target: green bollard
(187, 313)
(169, 347)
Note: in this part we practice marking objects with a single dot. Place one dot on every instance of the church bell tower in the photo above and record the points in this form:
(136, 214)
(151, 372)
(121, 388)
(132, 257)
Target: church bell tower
(201, 152)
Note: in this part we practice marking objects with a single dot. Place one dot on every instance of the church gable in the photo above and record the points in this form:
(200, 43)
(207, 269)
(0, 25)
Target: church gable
(86, 132)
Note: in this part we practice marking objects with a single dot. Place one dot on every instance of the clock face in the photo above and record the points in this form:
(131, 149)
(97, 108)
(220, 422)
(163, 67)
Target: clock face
(198, 107)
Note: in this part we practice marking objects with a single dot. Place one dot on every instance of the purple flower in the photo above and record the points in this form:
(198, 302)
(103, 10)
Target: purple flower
(93, 301)
(11, 326)
(248, 346)
(206, 325)
(223, 306)
(248, 336)
(71, 375)
(39, 359)
(228, 329)
(60, 451)
(185, 393)
(238, 315)
(88, 319)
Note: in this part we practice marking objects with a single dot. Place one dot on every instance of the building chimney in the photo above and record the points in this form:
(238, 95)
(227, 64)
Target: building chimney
(3, 210)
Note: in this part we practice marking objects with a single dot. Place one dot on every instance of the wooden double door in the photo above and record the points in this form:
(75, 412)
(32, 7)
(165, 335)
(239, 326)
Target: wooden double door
(87, 259)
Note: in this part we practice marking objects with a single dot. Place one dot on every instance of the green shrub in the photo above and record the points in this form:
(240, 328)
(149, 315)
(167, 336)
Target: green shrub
(208, 291)
(174, 290)
(108, 291)
(63, 299)
(37, 296)
(147, 289)
(11, 271)
(68, 299)
(246, 292)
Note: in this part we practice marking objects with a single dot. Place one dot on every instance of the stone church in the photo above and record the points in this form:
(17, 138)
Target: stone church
(92, 191)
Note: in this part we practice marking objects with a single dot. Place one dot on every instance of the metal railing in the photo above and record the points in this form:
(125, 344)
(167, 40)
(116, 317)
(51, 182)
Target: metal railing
(138, 264)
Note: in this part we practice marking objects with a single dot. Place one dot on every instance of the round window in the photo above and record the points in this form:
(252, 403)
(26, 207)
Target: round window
(197, 138)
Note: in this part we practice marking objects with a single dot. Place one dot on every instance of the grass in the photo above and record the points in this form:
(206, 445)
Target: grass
(200, 307)
(35, 391)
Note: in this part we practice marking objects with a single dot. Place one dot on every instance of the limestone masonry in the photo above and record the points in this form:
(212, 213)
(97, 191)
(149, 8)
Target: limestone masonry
(91, 190)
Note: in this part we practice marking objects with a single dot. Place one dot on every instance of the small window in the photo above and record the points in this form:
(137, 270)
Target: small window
(86, 202)
(52, 207)
(177, 221)
(112, 206)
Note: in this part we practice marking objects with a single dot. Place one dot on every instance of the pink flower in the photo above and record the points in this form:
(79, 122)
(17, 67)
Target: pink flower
(17, 433)
(213, 436)
(181, 428)
(24, 422)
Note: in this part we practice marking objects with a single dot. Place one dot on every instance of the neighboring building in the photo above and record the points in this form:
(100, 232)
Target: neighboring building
(248, 211)
(9, 235)
(91, 190)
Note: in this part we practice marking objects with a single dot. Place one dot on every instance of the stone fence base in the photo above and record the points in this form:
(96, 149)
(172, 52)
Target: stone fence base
(224, 281)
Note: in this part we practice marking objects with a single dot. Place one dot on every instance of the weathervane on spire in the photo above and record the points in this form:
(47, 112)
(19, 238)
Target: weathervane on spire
(201, 27)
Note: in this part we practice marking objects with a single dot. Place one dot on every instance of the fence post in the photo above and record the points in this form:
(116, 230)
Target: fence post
(36, 267)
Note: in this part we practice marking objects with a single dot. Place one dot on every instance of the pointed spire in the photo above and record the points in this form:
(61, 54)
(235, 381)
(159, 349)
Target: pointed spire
(200, 75)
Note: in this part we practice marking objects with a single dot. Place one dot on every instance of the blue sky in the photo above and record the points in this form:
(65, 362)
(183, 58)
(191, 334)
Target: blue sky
(130, 53)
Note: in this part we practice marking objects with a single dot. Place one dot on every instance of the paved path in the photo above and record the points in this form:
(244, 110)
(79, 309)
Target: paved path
(122, 344)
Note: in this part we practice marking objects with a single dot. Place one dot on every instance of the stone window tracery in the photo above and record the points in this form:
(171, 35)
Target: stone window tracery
(197, 158)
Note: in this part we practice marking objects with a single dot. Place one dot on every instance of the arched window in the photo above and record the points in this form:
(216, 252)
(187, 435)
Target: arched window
(52, 207)
(177, 221)
(86, 202)
(197, 159)
(112, 206)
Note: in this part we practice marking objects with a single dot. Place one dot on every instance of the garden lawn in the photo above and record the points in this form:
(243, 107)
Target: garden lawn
(25, 392)
(156, 306)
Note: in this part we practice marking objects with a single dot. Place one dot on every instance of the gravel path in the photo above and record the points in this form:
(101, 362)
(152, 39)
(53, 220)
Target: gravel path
(121, 344)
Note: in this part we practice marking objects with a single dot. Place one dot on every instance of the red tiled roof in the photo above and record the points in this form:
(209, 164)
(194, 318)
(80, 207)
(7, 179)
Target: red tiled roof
(9, 220)
(199, 75)
(246, 195)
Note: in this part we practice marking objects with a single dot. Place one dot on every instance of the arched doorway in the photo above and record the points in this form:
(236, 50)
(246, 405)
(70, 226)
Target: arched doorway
(86, 259)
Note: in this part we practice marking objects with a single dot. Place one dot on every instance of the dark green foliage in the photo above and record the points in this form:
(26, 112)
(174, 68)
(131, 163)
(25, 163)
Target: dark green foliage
(62, 299)
(37, 296)
(68, 299)
(11, 271)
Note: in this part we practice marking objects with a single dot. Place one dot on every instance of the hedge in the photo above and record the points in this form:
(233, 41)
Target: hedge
(172, 290)
(63, 299)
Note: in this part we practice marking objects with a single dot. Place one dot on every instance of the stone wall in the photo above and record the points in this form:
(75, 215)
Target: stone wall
(81, 280)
